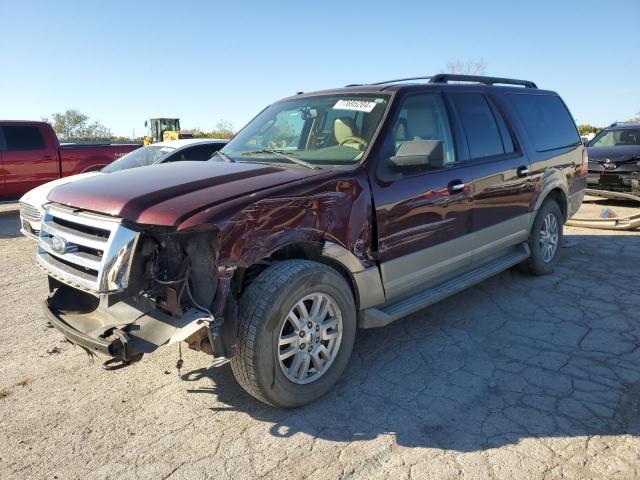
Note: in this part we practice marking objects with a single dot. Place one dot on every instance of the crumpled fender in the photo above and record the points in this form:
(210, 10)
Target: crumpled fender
(329, 208)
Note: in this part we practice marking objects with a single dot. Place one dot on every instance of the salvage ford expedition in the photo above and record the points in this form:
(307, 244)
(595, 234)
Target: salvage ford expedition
(329, 211)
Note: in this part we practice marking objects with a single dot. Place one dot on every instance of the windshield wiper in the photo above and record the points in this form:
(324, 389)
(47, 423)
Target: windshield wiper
(223, 157)
(281, 154)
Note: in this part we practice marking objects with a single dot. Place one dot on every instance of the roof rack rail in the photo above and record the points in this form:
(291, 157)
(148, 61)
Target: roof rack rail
(454, 77)
(400, 80)
(451, 77)
(387, 81)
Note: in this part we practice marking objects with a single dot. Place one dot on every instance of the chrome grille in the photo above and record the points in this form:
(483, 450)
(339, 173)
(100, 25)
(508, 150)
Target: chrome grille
(88, 251)
(30, 213)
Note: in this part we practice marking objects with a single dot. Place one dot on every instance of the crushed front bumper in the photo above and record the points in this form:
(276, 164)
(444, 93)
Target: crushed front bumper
(76, 337)
(124, 330)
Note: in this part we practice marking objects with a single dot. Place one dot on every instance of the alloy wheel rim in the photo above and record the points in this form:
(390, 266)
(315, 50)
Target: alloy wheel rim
(310, 338)
(549, 235)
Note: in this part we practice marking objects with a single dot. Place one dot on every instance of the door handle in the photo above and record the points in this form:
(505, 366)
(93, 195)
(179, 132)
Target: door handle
(456, 186)
(523, 171)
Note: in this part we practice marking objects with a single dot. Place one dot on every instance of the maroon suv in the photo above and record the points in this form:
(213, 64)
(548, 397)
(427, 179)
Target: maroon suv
(329, 211)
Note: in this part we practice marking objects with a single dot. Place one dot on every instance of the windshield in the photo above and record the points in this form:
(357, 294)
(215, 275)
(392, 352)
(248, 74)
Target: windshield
(322, 130)
(138, 158)
(616, 138)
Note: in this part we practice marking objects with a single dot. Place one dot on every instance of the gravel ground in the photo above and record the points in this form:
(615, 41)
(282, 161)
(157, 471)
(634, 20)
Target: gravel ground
(519, 377)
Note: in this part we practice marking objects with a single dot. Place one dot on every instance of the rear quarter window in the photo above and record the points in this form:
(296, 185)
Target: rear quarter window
(546, 120)
(23, 138)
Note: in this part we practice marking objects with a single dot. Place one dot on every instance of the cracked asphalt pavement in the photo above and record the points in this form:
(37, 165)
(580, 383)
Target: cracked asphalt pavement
(519, 377)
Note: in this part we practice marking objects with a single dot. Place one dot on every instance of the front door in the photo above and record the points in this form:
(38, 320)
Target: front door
(423, 213)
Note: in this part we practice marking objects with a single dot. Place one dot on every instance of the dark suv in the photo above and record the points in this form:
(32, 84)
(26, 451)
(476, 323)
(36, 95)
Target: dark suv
(614, 160)
(330, 210)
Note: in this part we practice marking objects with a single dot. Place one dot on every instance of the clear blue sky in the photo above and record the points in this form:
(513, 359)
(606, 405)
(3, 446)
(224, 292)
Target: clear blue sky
(122, 62)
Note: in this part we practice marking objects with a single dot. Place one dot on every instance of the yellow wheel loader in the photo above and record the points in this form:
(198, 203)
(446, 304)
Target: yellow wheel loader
(164, 130)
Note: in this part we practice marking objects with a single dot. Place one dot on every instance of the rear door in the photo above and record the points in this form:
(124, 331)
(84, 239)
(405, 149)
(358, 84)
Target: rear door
(502, 189)
(423, 214)
(27, 162)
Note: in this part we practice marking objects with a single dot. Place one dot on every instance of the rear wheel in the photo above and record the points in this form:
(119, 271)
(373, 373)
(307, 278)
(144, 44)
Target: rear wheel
(297, 325)
(545, 239)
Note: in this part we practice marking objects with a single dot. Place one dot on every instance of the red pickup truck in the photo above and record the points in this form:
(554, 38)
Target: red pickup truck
(30, 154)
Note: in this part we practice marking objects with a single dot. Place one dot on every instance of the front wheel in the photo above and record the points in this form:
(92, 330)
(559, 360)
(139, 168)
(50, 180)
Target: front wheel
(545, 239)
(297, 325)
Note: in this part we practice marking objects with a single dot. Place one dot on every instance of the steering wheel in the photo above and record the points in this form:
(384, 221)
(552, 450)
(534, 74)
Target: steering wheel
(354, 139)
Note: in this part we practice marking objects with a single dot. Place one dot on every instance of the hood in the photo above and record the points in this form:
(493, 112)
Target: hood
(167, 193)
(615, 154)
(37, 197)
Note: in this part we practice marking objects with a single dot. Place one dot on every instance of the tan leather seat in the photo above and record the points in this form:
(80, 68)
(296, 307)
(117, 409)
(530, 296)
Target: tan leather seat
(343, 128)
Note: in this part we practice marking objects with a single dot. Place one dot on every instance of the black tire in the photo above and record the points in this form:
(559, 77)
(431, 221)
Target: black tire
(262, 311)
(535, 264)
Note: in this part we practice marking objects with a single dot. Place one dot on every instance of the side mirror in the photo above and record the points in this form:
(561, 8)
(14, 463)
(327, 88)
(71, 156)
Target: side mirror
(146, 123)
(419, 153)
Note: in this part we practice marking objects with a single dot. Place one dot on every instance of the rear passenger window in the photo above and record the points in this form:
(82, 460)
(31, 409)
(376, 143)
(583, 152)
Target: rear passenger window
(23, 138)
(546, 120)
(479, 124)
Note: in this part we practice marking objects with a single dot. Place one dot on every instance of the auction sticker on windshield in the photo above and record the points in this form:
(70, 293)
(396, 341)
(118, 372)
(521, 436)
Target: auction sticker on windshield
(358, 105)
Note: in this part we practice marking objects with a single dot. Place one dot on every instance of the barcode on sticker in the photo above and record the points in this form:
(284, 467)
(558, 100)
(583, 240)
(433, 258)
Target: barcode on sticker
(358, 105)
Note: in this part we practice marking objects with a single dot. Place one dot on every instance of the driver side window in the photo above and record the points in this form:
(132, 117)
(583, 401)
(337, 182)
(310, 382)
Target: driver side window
(423, 117)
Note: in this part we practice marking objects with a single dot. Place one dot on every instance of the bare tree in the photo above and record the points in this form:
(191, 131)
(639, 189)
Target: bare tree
(224, 127)
(469, 67)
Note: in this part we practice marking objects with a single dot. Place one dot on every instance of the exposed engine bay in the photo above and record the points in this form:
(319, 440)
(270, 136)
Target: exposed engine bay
(172, 292)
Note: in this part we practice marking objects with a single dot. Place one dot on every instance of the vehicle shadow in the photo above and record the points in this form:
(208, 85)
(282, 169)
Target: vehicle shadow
(515, 357)
(10, 225)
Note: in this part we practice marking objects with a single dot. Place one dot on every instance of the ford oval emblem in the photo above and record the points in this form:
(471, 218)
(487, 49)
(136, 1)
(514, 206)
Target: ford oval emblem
(59, 245)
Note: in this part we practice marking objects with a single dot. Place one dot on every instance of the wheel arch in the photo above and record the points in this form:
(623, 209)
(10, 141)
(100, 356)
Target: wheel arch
(328, 253)
(558, 192)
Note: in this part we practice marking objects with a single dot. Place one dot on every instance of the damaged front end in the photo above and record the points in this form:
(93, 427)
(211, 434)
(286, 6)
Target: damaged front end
(124, 290)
